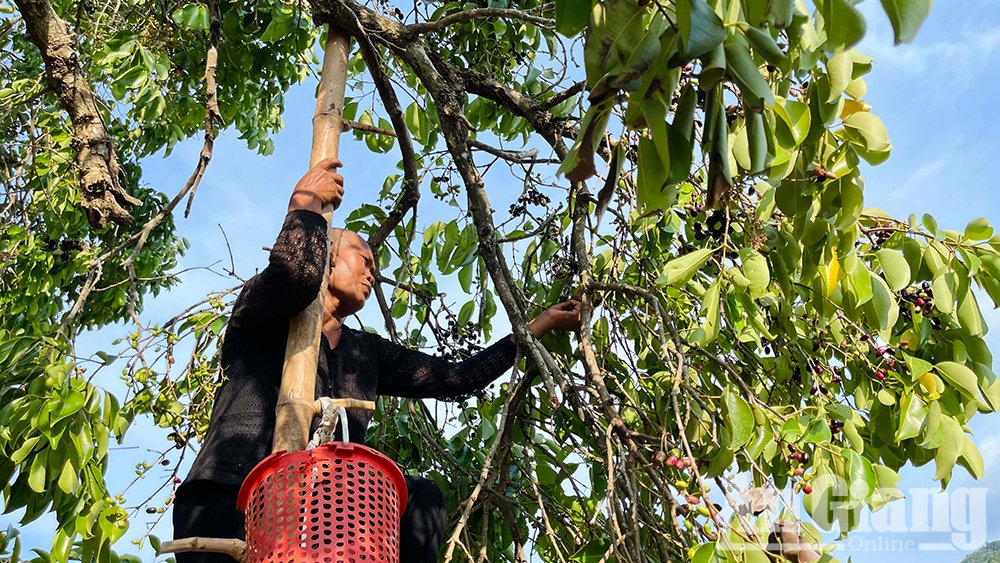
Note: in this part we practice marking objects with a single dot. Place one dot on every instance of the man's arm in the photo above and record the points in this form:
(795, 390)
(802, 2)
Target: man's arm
(409, 373)
(294, 271)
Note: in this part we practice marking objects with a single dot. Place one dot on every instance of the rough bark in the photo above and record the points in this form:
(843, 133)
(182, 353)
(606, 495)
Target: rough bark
(102, 195)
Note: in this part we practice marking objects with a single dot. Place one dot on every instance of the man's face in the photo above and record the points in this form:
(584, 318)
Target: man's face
(351, 273)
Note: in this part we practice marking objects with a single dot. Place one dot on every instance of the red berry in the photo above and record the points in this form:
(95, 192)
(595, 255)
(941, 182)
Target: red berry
(692, 499)
(880, 374)
(177, 480)
(807, 489)
(818, 368)
(672, 460)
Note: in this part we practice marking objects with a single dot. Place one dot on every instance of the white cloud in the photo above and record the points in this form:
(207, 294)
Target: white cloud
(919, 182)
(989, 447)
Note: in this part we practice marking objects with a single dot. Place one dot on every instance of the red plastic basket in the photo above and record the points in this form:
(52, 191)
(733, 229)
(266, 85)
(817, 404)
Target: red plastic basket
(335, 503)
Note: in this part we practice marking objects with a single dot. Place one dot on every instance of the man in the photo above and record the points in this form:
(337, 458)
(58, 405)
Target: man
(352, 364)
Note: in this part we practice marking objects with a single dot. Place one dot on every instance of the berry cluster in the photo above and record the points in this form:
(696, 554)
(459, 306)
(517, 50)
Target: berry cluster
(715, 226)
(881, 232)
(530, 196)
(921, 300)
(836, 426)
(681, 463)
(459, 341)
(800, 459)
(446, 190)
(563, 267)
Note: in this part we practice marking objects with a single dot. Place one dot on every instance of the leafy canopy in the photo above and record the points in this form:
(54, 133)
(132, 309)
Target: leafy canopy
(700, 184)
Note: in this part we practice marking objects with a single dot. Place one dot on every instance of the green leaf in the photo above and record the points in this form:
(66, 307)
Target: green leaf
(416, 121)
(912, 417)
(793, 122)
(887, 490)
(740, 418)
(952, 446)
(780, 13)
(622, 42)
(700, 27)
(867, 130)
(651, 186)
(839, 68)
(906, 17)
(68, 405)
(859, 279)
(844, 25)
(944, 286)
(193, 15)
(704, 554)
(759, 139)
(756, 91)
(37, 473)
(883, 304)
(895, 268)
(978, 229)
(970, 316)
(572, 16)
(68, 479)
(765, 45)
(959, 377)
(465, 314)
(972, 460)
(859, 474)
(465, 278)
(756, 271)
(680, 270)
(817, 431)
(709, 330)
(917, 366)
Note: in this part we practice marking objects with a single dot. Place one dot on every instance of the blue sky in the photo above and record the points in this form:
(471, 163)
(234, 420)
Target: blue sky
(938, 97)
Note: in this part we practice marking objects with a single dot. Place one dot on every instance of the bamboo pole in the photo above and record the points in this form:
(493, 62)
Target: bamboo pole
(294, 412)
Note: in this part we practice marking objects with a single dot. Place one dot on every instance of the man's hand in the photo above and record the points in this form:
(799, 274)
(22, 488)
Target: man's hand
(320, 186)
(564, 316)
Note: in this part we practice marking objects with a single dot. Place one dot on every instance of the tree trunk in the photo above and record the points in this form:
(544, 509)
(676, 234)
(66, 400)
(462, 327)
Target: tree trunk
(102, 196)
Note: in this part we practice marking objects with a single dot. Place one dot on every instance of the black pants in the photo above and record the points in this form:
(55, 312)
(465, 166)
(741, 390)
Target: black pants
(208, 509)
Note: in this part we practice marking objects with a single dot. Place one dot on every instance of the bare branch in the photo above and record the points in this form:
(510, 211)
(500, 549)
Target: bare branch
(212, 112)
(468, 15)
(235, 548)
(517, 157)
(411, 179)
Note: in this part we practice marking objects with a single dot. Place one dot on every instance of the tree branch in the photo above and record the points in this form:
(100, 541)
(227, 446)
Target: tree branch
(468, 15)
(517, 157)
(212, 112)
(411, 179)
(102, 195)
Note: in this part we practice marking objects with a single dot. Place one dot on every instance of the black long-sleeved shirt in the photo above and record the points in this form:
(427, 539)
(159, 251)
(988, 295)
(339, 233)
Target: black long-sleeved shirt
(362, 366)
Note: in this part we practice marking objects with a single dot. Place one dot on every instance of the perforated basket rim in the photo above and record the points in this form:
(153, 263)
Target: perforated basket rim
(281, 459)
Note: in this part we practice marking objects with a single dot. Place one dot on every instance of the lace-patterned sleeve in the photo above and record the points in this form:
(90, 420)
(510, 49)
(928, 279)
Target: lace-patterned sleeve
(293, 274)
(409, 373)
